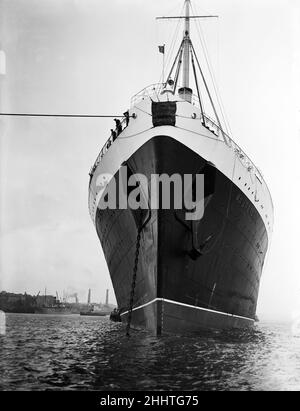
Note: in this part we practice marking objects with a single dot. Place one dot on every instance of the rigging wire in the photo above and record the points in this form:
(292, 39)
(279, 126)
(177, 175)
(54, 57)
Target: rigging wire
(209, 66)
(208, 93)
(171, 50)
(198, 89)
(211, 71)
(213, 77)
(178, 71)
(172, 47)
(143, 111)
(179, 55)
(174, 39)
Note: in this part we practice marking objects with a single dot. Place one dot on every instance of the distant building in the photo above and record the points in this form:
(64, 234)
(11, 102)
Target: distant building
(24, 303)
(18, 303)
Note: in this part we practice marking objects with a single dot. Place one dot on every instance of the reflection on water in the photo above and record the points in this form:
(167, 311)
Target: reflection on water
(91, 353)
(2, 323)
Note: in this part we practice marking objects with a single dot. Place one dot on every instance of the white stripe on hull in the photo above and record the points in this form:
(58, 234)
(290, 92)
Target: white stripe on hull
(189, 306)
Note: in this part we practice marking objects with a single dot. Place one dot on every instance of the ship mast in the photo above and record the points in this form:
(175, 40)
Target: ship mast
(186, 47)
(186, 55)
(183, 58)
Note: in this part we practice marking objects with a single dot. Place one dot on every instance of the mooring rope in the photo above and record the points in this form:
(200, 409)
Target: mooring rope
(59, 115)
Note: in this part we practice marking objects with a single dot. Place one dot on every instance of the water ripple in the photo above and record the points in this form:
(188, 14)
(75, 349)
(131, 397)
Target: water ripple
(82, 353)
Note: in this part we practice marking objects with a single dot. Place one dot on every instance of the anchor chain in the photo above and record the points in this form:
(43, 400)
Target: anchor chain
(136, 261)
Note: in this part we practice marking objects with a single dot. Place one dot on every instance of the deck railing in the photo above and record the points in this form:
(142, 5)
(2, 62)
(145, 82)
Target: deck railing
(153, 89)
(104, 149)
(211, 124)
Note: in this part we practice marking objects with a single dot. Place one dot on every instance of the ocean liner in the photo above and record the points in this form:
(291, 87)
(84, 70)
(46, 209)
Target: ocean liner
(172, 275)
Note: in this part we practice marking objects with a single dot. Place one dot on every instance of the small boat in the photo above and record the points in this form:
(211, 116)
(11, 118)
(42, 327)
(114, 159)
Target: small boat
(102, 311)
(115, 316)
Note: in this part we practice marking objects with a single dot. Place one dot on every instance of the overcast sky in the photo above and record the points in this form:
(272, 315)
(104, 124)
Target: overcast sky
(91, 56)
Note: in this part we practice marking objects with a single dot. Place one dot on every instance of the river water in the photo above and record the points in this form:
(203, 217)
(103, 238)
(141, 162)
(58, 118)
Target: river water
(45, 352)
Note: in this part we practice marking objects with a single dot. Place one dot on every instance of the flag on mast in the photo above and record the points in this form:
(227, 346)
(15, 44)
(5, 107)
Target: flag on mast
(161, 49)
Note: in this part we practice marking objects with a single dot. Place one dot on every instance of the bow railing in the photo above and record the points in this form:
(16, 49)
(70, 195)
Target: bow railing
(153, 89)
(104, 150)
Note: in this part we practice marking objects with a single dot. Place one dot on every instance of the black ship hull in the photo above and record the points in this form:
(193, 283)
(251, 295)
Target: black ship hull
(191, 275)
